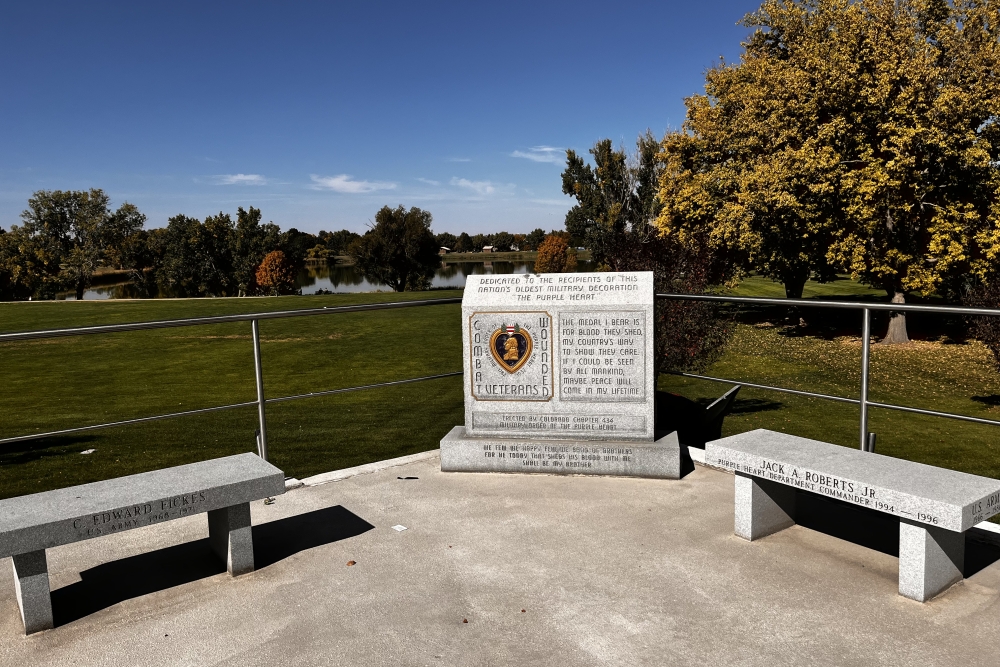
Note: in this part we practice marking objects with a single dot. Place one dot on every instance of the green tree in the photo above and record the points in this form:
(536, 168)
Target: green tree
(295, 246)
(616, 214)
(502, 241)
(197, 258)
(464, 243)
(446, 240)
(67, 235)
(250, 241)
(339, 243)
(480, 241)
(141, 254)
(534, 239)
(22, 265)
(122, 232)
(399, 250)
(616, 199)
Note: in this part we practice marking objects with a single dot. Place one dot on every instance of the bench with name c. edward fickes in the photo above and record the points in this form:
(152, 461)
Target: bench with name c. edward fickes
(221, 487)
(935, 506)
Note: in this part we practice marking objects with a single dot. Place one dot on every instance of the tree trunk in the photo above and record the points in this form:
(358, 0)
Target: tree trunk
(897, 324)
(795, 286)
(793, 290)
(79, 290)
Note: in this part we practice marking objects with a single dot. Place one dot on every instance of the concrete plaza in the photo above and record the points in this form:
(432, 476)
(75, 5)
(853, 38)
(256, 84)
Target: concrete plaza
(497, 569)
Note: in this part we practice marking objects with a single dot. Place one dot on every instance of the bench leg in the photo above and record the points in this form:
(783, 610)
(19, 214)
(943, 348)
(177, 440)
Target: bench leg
(763, 507)
(31, 582)
(231, 537)
(930, 560)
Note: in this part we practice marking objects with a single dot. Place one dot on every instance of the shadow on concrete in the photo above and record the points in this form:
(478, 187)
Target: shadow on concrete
(981, 551)
(280, 539)
(860, 525)
(699, 422)
(127, 578)
(879, 531)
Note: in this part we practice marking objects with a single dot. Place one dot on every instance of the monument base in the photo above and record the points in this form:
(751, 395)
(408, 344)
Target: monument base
(657, 460)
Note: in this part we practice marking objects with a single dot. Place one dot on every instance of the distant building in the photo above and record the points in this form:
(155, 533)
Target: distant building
(488, 248)
(443, 250)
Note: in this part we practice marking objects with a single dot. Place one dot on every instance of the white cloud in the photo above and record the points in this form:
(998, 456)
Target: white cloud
(543, 154)
(240, 179)
(344, 183)
(459, 159)
(482, 187)
(429, 181)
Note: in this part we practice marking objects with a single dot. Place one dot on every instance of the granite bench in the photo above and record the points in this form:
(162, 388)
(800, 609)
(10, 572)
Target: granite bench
(935, 506)
(222, 487)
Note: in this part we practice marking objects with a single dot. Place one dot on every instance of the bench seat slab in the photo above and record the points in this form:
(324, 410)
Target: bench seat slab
(231, 537)
(912, 491)
(763, 507)
(930, 560)
(221, 487)
(31, 582)
(935, 506)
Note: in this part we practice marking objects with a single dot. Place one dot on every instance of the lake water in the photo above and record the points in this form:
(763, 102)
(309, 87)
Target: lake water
(346, 278)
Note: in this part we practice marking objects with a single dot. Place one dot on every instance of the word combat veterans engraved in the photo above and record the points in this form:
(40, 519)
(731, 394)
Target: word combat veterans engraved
(559, 377)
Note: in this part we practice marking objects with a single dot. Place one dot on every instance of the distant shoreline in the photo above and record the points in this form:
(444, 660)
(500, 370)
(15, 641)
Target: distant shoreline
(520, 256)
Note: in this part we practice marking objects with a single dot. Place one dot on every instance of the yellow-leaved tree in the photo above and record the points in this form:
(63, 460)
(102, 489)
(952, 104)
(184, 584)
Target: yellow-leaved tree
(857, 135)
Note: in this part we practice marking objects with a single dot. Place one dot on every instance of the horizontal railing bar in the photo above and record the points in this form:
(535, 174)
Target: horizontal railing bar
(360, 387)
(842, 399)
(223, 319)
(853, 305)
(798, 392)
(217, 408)
(125, 422)
(934, 413)
(218, 319)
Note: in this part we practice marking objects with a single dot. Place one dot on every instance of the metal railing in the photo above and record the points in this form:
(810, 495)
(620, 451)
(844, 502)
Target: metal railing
(253, 318)
(866, 439)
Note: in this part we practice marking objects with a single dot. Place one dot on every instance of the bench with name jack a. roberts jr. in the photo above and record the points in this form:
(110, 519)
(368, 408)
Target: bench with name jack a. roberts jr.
(935, 506)
(221, 487)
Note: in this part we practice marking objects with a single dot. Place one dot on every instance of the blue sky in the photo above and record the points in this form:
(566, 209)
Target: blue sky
(321, 113)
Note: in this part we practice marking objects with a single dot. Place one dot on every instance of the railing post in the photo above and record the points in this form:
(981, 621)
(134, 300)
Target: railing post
(865, 352)
(262, 433)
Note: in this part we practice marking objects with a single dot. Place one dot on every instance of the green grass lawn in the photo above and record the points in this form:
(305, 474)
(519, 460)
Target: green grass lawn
(65, 382)
(941, 372)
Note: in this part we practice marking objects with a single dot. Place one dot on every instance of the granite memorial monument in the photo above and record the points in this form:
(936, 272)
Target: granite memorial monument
(560, 377)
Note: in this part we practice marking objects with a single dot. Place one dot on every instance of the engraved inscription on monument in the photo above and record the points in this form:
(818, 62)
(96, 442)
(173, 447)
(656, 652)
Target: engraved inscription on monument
(603, 356)
(566, 425)
(547, 354)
